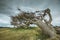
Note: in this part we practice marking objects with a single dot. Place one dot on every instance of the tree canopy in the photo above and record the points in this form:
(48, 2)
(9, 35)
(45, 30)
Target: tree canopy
(25, 18)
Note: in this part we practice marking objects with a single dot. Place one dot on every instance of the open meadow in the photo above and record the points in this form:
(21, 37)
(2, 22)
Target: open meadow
(19, 34)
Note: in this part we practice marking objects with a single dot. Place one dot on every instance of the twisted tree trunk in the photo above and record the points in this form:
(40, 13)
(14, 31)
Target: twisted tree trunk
(47, 11)
(46, 30)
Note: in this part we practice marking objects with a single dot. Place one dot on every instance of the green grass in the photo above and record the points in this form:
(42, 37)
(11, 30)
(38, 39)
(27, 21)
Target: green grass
(21, 34)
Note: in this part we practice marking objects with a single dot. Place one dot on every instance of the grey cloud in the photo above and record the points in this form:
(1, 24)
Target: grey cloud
(6, 7)
(13, 4)
(9, 7)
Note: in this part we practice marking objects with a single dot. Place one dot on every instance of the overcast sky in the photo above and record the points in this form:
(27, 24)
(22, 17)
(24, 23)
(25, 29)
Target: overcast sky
(9, 7)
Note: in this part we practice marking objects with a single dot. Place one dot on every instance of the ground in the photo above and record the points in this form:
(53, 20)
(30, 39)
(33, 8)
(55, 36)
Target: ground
(18, 34)
(21, 34)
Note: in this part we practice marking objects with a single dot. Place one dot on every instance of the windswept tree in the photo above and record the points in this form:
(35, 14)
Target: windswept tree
(25, 19)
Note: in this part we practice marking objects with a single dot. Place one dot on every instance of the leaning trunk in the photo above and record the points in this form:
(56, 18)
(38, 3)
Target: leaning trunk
(46, 30)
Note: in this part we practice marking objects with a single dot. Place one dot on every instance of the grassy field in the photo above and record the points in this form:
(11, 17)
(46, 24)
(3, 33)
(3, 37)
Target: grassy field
(19, 34)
